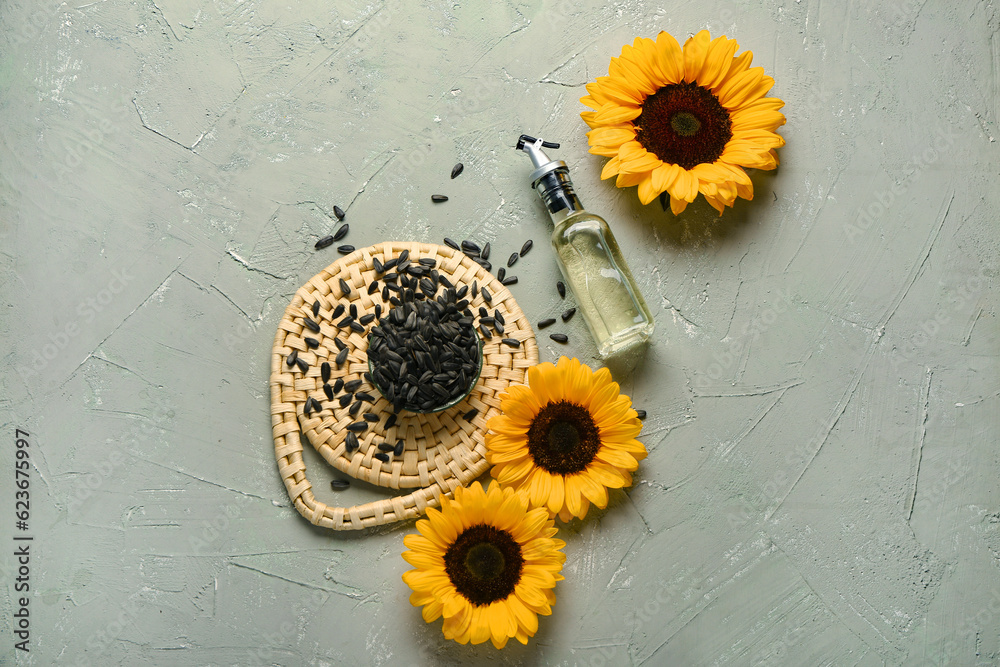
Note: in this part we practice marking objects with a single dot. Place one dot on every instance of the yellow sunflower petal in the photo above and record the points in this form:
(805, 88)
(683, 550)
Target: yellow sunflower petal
(670, 58)
(677, 206)
(717, 62)
(695, 51)
(610, 168)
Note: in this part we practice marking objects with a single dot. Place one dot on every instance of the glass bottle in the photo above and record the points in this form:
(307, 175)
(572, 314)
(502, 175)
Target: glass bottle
(589, 258)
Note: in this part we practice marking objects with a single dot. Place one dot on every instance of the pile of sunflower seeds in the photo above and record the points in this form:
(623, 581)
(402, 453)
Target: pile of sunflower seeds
(425, 354)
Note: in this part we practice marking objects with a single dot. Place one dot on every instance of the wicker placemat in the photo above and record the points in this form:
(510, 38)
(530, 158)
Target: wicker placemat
(442, 450)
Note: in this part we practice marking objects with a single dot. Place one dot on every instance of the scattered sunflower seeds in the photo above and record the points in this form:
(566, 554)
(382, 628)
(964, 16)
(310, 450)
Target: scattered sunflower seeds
(364, 396)
(486, 295)
(303, 366)
(339, 212)
(370, 417)
(470, 246)
(470, 415)
(559, 338)
(324, 371)
(513, 258)
(366, 319)
(451, 243)
(315, 309)
(561, 288)
(457, 169)
(324, 242)
(346, 249)
(381, 456)
(437, 199)
(373, 287)
(337, 484)
(341, 232)
(398, 449)
(546, 323)
(513, 342)
(355, 409)
(641, 414)
(344, 287)
(526, 247)
(485, 253)
(390, 421)
(352, 386)
(358, 427)
(568, 314)
(311, 342)
(509, 280)
(338, 385)
(292, 358)
(341, 345)
(337, 312)
(351, 442)
(341, 357)
(501, 274)
(311, 325)
(386, 447)
(328, 390)
(345, 400)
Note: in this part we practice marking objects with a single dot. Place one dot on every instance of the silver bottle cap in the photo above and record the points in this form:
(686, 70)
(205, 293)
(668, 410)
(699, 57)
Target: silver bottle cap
(542, 163)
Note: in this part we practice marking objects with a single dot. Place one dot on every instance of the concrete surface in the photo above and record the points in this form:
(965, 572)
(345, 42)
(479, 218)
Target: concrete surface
(822, 392)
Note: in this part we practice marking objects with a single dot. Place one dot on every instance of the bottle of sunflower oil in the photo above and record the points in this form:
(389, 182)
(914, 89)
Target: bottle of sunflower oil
(589, 258)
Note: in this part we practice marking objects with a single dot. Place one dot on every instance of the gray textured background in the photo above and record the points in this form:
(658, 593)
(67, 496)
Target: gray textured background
(822, 391)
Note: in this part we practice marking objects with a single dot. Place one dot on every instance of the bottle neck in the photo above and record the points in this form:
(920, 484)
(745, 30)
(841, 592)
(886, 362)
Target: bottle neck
(556, 190)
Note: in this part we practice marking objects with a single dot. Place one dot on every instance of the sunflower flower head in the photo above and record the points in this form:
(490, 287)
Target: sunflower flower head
(565, 438)
(487, 563)
(684, 121)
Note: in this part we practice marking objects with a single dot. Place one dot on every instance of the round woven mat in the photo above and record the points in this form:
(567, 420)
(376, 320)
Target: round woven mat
(442, 450)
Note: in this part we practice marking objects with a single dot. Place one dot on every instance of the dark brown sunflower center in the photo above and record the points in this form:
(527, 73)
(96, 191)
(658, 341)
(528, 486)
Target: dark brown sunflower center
(563, 438)
(684, 124)
(484, 563)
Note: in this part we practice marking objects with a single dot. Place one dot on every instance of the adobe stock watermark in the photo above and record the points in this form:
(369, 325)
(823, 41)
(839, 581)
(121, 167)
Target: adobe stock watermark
(928, 330)
(86, 311)
(759, 324)
(884, 199)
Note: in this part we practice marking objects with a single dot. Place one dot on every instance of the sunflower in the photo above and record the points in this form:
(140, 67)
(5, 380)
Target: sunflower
(486, 563)
(566, 438)
(684, 121)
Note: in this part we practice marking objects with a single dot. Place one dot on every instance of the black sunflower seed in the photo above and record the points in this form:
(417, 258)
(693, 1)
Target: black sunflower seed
(353, 310)
(501, 274)
(324, 242)
(457, 169)
(559, 338)
(292, 358)
(513, 342)
(341, 345)
(303, 366)
(338, 385)
(567, 314)
(337, 484)
(370, 417)
(345, 249)
(324, 371)
(451, 243)
(483, 263)
(366, 319)
(471, 246)
(344, 323)
(526, 247)
(328, 390)
(386, 447)
(345, 289)
(485, 253)
(561, 288)
(398, 449)
(315, 308)
(509, 280)
(373, 287)
(377, 264)
(311, 325)
(513, 258)
(641, 414)
(355, 409)
(342, 232)
(486, 295)
(345, 400)
(364, 396)
(351, 442)
(341, 358)
(470, 415)
(339, 212)
(358, 427)
(475, 289)
(498, 316)
(486, 332)
(546, 323)
(403, 256)
(311, 342)
(353, 385)
(438, 198)
(390, 421)
(357, 327)
(381, 456)
(337, 312)
(307, 408)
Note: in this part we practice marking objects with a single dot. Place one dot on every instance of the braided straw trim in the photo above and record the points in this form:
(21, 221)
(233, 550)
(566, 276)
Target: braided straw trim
(442, 450)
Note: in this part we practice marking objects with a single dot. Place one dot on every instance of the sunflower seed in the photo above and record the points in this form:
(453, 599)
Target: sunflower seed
(398, 449)
(337, 312)
(366, 319)
(373, 287)
(641, 414)
(403, 256)
(501, 274)
(471, 246)
(568, 314)
(303, 366)
(345, 249)
(344, 323)
(345, 289)
(486, 295)
(513, 258)
(311, 342)
(357, 327)
(370, 417)
(328, 390)
(315, 309)
(324, 242)
(470, 415)
(546, 323)
(457, 169)
(485, 253)
(324, 371)
(338, 385)
(345, 400)
(364, 396)
(386, 447)
(341, 358)
(307, 408)
(513, 342)
(381, 456)
(559, 338)
(390, 421)
(498, 316)
(358, 427)
(337, 484)
(451, 243)
(526, 247)
(339, 212)
(311, 325)
(340, 344)
(353, 385)
(475, 289)
(351, 442)
(486, 332)
(355, 409)
(509, 280)
(483, 263)
(292, 358)
(437, 199)
(561, 288)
